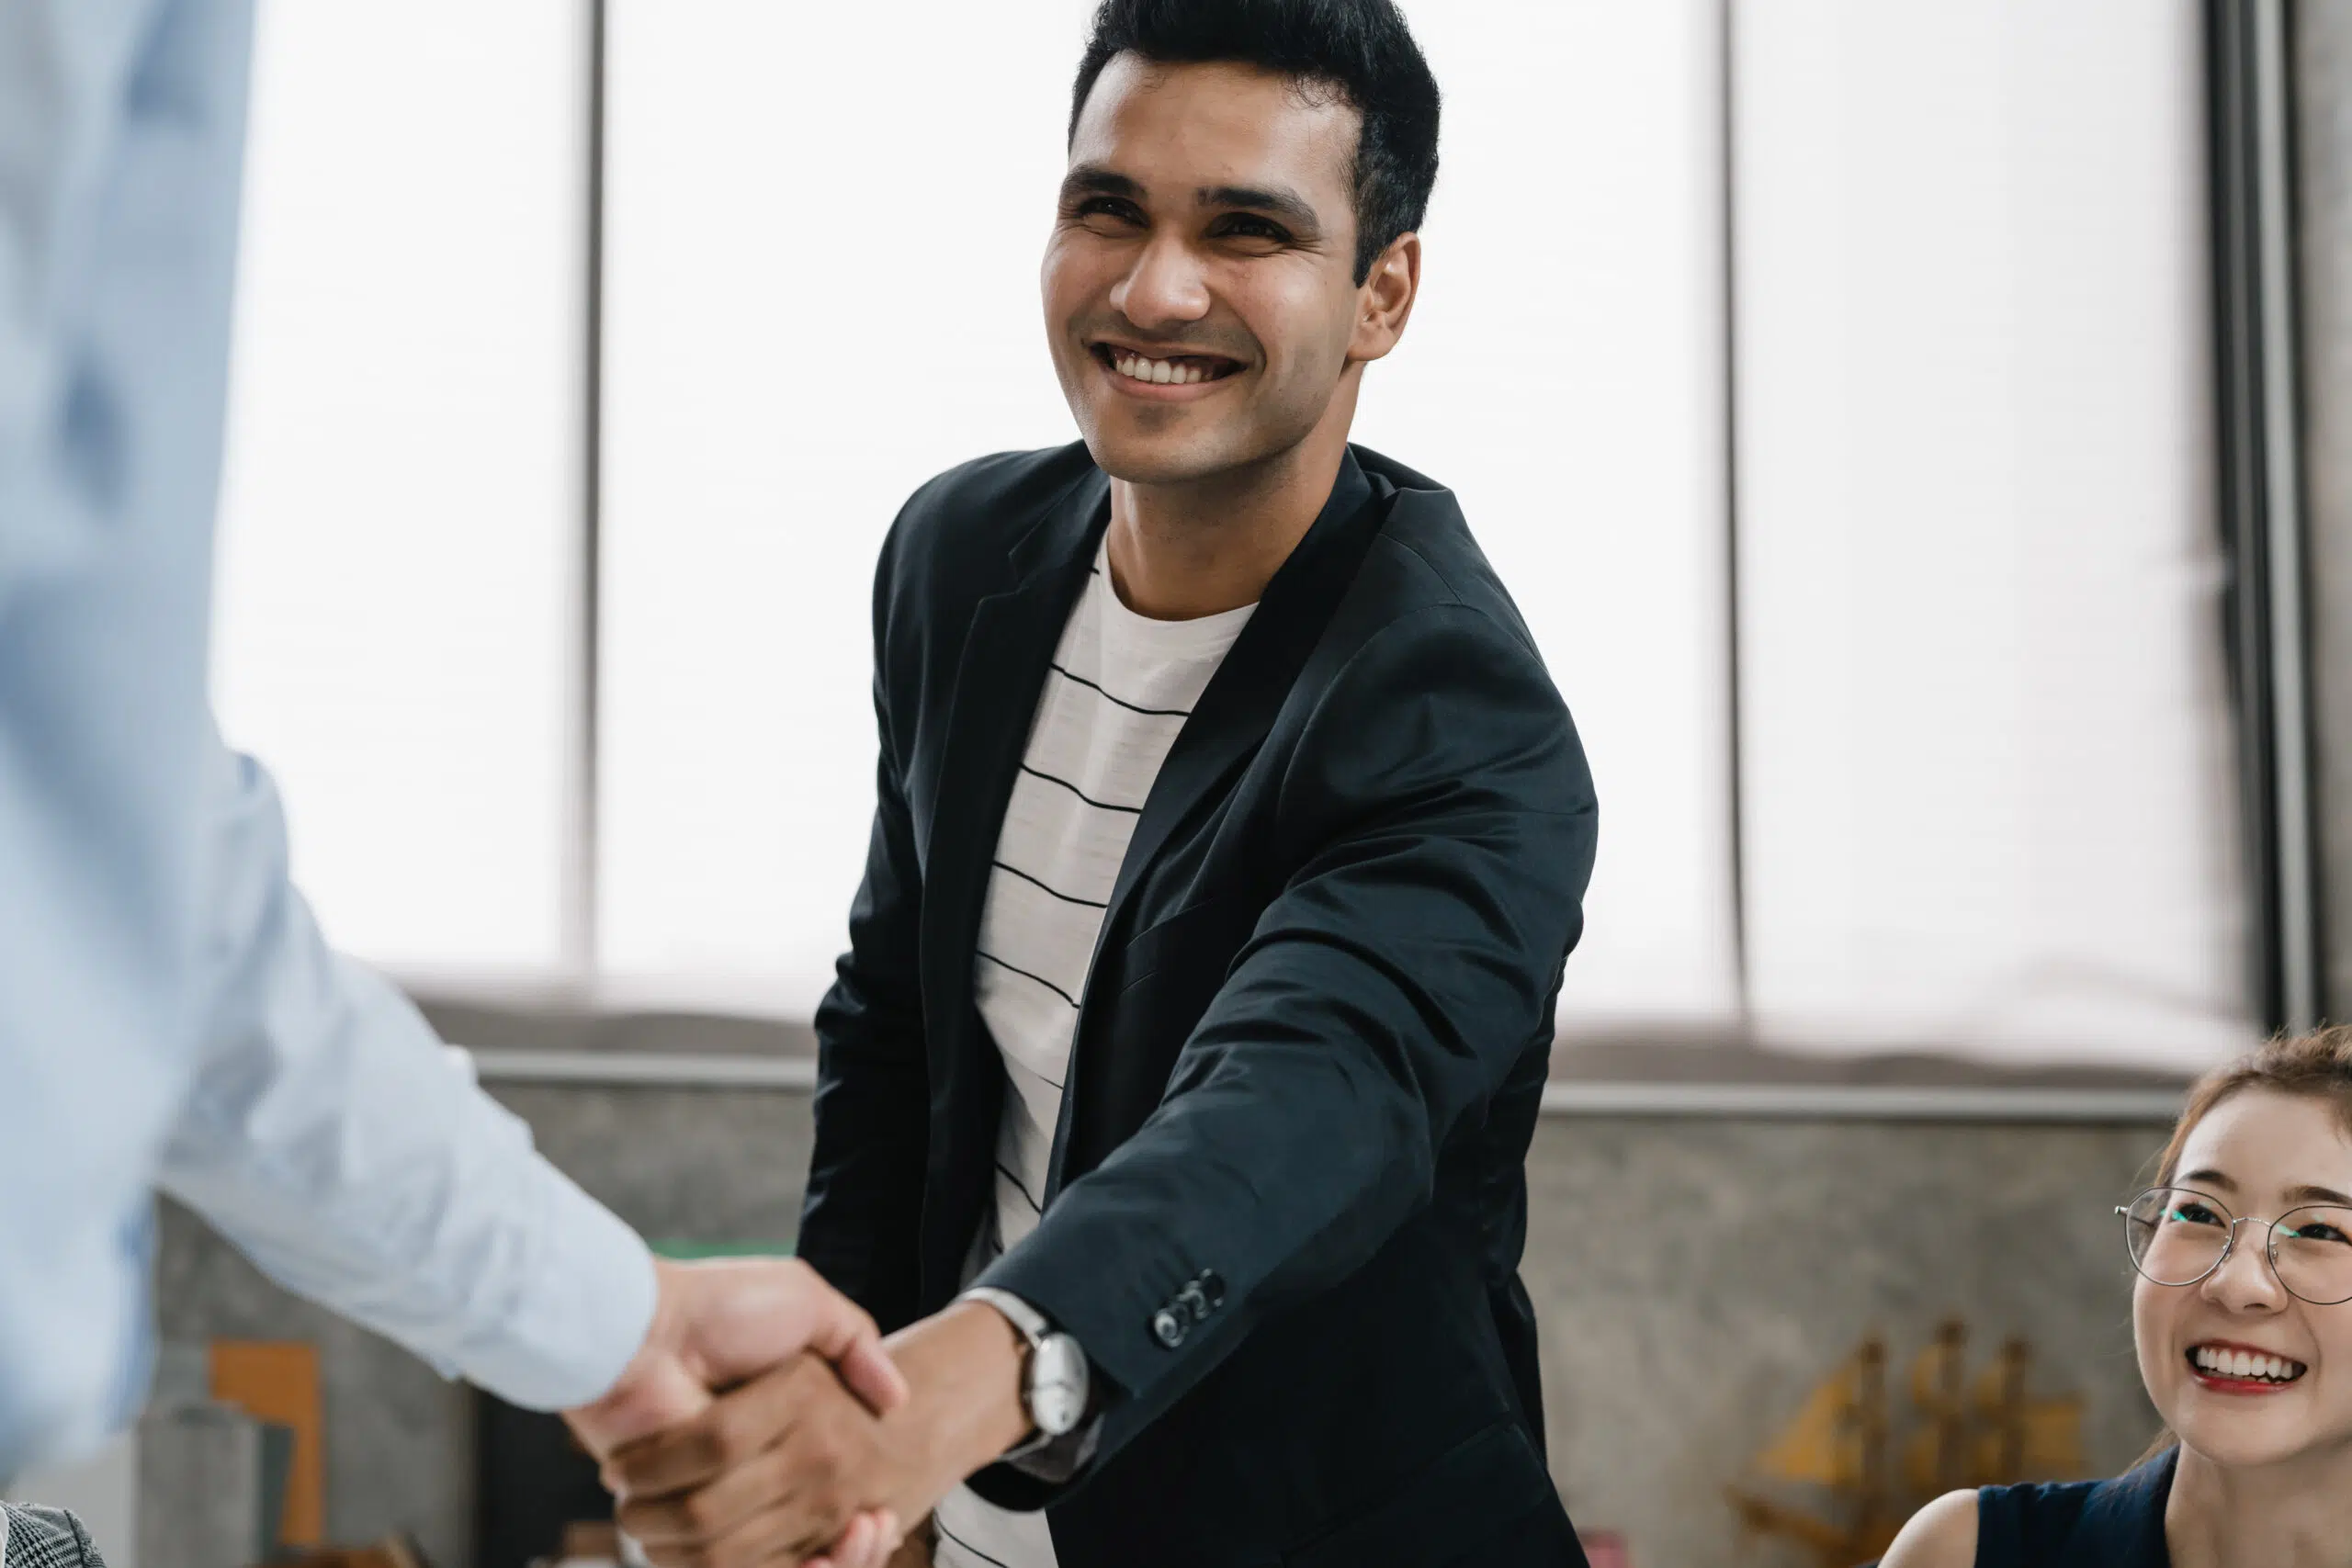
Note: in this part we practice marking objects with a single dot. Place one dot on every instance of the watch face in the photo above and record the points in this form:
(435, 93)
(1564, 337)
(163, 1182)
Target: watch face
(1057, 1379)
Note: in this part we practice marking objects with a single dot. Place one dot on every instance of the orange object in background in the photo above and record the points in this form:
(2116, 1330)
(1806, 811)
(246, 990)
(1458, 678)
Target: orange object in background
(393, 1551)
(278, 1380)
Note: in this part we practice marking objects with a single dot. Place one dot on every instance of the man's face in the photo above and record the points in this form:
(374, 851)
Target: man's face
(1199, 289)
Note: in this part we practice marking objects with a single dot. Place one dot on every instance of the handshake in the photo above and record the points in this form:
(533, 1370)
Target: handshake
(767, 1421)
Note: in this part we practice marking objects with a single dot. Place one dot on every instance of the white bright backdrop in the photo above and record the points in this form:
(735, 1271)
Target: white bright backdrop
(1984, 782)
(823, 237)
(1563, 373)
(817, 302)
(401, 497)
(1988, 782)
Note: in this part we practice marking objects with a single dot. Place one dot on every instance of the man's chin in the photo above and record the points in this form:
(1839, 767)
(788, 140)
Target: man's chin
(1169, 459)
(1145, 464)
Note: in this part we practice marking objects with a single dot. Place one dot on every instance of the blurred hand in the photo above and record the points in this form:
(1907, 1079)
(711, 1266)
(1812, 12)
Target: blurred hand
(785, 1465)
(916, 1550)
(720, 1323)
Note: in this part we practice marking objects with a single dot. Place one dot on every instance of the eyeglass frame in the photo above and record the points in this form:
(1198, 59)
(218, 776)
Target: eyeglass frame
(2229, 1244)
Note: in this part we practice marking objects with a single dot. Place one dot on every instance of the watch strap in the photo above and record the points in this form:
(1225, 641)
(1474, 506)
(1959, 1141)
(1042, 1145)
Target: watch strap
(1031, 1324)
(1027, 1319)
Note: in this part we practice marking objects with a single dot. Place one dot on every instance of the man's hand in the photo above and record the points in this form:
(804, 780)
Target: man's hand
(717, 1323)
(917, 1549)
(778, 1468)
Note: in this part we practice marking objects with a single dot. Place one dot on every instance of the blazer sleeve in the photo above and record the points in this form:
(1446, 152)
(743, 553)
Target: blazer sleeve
(1383, 995)
(860, 1224)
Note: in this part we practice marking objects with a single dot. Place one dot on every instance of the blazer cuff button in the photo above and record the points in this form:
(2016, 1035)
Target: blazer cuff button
(1168, 1328)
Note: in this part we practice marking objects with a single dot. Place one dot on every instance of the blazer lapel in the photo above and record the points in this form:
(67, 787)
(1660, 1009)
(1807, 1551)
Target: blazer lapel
(1230, 721)
(1005, 653)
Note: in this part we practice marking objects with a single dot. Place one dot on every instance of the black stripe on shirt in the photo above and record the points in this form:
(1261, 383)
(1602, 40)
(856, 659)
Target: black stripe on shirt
(1152, 712)
(962, 1543)
(1026, 976)
(1017, 1187)
(1055, 891)
(1099, 804)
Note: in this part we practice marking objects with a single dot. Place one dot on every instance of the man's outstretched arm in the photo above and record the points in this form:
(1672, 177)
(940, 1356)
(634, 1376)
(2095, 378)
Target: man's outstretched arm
(328, 1135)
(167, 1005)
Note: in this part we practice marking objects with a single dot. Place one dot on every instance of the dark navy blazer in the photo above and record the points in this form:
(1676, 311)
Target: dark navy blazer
(1287, 1196)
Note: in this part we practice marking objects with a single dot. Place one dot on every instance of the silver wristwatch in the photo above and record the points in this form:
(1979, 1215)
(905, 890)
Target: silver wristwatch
(1054, 1374)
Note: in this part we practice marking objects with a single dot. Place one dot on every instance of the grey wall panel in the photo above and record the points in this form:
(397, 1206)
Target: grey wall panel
(1696, 1278)
(694, 1164)
(398, 1450)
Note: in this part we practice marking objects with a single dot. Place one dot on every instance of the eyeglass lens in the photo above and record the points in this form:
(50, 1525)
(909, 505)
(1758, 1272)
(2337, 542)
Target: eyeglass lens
(2177, 1235)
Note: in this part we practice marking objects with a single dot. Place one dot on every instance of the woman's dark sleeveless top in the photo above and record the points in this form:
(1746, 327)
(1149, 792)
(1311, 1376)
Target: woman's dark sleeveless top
(2089, 1524)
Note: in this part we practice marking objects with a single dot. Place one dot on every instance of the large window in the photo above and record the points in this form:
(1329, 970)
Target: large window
(1563, 374)
(1986, 770)
(401, 507)
(824, 229)
(1855, 483)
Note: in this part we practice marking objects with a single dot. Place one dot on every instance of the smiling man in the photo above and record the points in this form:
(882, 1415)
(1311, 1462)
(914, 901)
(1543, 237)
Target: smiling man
(1230, 839)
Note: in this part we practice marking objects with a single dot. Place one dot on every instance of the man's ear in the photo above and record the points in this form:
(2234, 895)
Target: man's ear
(1385, 301)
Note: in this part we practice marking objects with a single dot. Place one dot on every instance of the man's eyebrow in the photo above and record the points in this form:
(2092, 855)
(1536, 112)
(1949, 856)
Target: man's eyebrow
(1093, 179)
(1097, 179)
(1287, 205)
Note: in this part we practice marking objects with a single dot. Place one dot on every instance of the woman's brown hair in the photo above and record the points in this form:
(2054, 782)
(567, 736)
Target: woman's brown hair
(2317, 1066)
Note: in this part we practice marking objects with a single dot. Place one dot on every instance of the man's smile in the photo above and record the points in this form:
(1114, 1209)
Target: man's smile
(1162, 374)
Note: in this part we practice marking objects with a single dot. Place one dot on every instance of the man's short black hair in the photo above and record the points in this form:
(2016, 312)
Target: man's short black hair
(1358, 49)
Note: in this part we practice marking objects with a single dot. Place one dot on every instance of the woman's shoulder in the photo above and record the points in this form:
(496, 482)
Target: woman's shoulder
(1941, 1535)
(2118, 1522)
(44, 1537)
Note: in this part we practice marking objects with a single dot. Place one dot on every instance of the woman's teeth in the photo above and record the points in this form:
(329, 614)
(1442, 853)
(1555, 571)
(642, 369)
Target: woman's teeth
(2244, 1364)
(1160, 372)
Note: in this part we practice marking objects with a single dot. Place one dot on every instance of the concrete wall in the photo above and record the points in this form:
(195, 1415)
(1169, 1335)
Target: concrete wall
(1694, 1278)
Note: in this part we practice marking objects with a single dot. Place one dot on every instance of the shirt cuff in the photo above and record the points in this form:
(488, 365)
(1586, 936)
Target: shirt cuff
(1059, 1461)
(580, 1313)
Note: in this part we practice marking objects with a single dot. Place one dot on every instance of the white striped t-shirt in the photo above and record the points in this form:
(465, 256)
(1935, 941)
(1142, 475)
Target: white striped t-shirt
(1119, 689)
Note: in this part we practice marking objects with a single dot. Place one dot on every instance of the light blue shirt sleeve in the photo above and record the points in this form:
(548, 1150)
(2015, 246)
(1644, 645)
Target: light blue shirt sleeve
(330, 1136)
(167, 1009)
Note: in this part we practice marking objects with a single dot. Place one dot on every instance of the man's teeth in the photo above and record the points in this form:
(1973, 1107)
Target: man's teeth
(1162, 372)
(2244, 1364)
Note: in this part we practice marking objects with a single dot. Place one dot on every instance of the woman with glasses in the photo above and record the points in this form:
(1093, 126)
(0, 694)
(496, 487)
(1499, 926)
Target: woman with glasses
(2242, 1314)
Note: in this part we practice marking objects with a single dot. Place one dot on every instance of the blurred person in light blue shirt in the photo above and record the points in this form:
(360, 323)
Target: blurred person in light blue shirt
(169, 1014)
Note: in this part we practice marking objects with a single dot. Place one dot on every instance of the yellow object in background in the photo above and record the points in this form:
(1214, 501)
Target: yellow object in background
(278, 1380)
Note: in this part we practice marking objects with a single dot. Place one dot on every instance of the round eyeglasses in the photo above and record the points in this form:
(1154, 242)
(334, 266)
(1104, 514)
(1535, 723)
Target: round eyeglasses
(2177, 1236)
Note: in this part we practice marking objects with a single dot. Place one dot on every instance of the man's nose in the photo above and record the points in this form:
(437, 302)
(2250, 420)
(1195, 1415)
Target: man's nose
(1165, 288)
